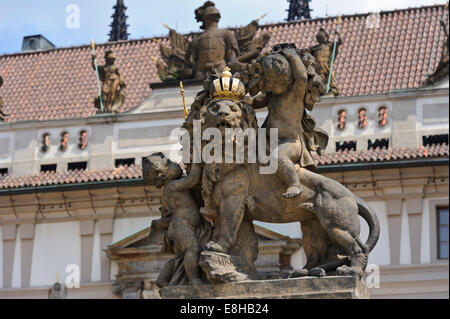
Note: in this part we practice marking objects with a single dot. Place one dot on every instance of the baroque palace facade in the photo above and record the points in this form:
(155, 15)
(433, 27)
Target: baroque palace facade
(71, 190)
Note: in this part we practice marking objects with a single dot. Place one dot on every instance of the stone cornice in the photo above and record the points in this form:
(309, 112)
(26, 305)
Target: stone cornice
(170, 113)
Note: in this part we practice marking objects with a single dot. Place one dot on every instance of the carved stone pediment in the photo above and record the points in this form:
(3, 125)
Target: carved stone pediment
(139, 261)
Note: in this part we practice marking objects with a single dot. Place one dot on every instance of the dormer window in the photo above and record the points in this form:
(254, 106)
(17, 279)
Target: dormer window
(362, 118)
(382, 116)
(342, 119)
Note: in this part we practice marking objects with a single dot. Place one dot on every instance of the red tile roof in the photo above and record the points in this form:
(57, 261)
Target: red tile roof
(383, 155)
(60, 83)
(134, 172)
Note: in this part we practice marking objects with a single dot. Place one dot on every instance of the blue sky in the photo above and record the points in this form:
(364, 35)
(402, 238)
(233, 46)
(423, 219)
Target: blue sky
(19, 18)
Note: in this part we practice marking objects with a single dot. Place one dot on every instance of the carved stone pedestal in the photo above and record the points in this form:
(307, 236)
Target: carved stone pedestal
(298, 288)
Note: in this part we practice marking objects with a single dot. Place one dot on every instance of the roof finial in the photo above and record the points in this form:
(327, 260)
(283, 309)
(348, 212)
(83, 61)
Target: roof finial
(298, 10)
(119, 24)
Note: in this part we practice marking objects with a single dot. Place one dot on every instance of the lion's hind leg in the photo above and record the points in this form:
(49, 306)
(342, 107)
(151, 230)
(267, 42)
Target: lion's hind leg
(315, 242)
(358, 258)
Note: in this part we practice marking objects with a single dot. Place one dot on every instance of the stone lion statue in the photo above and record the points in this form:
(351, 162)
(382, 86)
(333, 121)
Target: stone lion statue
(234, 193)
(327, 211)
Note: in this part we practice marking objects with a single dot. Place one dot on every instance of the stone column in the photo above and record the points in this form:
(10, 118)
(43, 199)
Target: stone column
(414, 209)
(9, 245)
(87, 242)
(394, 213)
(27, 239)
(105, 227)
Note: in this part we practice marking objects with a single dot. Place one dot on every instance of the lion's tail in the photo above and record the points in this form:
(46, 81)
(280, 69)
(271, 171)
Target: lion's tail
(372, 220)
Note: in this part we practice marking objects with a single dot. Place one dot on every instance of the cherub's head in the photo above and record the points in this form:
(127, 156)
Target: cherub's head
(316, 87)
(322, 36)
(277, 73)
(158, 170)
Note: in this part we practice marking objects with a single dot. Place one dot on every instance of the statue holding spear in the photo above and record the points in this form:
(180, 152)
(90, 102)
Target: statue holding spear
(325, 53)
(112, 93)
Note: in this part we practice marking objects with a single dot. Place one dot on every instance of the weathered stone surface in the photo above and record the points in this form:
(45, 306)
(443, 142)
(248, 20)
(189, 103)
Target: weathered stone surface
(220, 268)
(197, 56)
(333, 287)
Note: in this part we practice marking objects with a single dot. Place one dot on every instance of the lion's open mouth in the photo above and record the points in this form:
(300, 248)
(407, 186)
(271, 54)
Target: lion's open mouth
(223, 124)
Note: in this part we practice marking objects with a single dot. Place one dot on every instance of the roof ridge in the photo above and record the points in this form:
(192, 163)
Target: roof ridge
(274, 24)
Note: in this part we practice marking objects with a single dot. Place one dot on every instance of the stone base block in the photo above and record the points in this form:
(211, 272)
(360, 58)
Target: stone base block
(331, 287)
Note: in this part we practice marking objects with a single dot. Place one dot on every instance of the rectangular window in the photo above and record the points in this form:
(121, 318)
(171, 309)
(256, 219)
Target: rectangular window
(48, 168)
(3, 171)
(346, 146)
(124, 162)
(430, 140)
(378, 143)
(442, 221)
(81, 166)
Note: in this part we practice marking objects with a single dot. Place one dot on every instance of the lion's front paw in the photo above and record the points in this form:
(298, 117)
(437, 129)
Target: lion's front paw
(299, 273)
(317, 272)
(349, 271)
(213, 246)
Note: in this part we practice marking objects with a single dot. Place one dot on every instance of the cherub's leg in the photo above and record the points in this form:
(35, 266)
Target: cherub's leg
(191, 257)
(287, 153)
(185, 238)
(165, 274)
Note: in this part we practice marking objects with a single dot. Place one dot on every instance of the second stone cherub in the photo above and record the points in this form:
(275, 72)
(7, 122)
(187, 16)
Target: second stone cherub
(181, 217)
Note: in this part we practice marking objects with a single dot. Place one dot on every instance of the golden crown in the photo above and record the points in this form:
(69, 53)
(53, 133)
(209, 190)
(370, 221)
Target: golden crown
(227, 88)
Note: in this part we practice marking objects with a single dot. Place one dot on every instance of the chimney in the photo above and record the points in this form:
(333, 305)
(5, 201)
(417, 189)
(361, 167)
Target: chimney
(36, 43)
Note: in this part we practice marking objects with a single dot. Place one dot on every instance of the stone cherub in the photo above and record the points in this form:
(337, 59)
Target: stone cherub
(323, 54)
(113, 88)
(2, 105)
(442, 69)
(287, 92)
(181, 225)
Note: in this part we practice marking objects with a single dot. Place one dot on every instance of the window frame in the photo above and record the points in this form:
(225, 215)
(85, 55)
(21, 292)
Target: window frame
(438, 232)
(433, 211)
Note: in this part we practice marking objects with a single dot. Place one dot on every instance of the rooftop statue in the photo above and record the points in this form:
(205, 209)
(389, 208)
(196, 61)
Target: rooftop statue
(442, 70)
(214, 48)
(113, 88)
(2, 104)
(323, 53)
(57, 291)
(232, 194)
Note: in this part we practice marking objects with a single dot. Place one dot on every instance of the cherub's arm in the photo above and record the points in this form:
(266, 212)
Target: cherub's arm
(188, 181)
(260, 101)
(298, 68)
